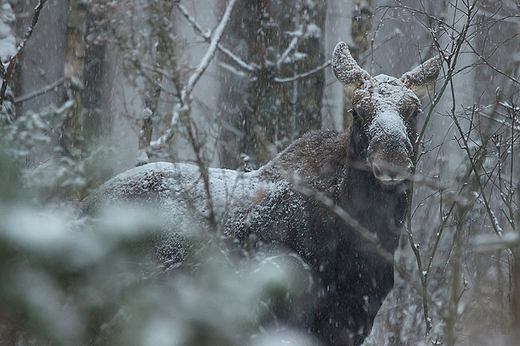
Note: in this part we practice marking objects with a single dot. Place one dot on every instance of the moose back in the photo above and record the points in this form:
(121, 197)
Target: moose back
(364, 170)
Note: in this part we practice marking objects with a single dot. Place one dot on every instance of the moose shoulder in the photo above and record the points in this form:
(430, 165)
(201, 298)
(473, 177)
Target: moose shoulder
(363, 169)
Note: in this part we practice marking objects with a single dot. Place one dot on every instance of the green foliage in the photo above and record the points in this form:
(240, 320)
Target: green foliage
(31, 129)
(59, 178)
(94, 281)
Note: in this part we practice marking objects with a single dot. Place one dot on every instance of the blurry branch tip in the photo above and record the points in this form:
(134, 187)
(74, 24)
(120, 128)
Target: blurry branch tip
(14, 59)
(39, 92)
(493, 243)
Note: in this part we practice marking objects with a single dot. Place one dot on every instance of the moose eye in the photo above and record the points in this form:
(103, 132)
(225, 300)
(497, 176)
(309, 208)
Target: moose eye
(412, 113)
(354, 114)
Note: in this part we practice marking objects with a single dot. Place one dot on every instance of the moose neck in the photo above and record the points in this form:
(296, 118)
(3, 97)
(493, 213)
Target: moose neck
(378, 207)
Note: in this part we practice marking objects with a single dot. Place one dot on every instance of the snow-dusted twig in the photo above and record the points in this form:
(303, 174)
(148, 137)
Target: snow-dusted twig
(14, 59)
(168, 134)
(193, 22)
(210, 54)
(183, 107)
(207, 36)
(503, 122)
(233, 70)
(303, 75)
(39, 92)
(294, 42)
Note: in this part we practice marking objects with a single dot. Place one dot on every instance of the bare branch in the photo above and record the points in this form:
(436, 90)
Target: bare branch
(207, 36)
(183, 108)
(210, 54)
(294, 42)
(14, 59)
(514, 128)
(303, 75)
(39, 92)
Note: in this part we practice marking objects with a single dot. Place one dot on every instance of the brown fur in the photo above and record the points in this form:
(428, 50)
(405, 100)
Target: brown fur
(363, 170)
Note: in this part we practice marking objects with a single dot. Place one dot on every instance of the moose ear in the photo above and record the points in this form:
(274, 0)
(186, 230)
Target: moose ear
(422, 78)
(346, 68)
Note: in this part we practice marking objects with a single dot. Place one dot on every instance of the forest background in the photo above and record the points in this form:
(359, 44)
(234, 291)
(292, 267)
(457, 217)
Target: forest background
(103, 86)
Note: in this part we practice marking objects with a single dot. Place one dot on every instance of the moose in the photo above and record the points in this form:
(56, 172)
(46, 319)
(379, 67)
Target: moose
(365, 170)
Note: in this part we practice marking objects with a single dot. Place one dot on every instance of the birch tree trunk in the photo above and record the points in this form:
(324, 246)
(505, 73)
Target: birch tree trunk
(73, 77)
(96, 35)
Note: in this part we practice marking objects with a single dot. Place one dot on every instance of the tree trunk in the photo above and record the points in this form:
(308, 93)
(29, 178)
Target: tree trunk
(73, 76)
(260, 115)
(8, 44)
(161, 26)
(96, 28)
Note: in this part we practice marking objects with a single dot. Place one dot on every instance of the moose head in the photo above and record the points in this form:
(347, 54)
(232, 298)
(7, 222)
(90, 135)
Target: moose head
(384, 110)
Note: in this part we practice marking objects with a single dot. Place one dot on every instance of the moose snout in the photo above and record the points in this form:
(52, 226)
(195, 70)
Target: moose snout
(392, 173)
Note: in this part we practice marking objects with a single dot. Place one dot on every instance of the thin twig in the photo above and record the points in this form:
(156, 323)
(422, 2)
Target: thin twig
(451, 61)
(303, 75)
(21, 47)
(503, 122)
(294, 42)
(39, 92)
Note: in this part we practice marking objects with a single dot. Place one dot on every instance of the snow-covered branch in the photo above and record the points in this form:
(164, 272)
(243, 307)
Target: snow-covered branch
(14, 59)
(294, 42)
(503, 122)
(303, 75)
(184, 106)
(207, 36)
(210, 54)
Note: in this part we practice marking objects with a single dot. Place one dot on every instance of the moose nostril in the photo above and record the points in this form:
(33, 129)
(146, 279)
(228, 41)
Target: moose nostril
(377, 171)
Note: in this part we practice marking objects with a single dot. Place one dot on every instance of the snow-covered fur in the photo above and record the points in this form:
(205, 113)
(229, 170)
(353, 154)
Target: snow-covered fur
(364, 170)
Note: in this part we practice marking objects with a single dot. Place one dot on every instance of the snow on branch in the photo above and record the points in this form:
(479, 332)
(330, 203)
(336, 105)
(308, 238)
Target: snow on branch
(303, 75)
(503, 122)
(207, 36)
(210, 54)
(41, 91)
(183, 107)
(294, 42)
(14, 59)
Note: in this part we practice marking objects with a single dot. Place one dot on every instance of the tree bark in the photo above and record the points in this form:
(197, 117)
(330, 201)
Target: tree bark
(71, 140)
(96, 32)
(161, 25)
